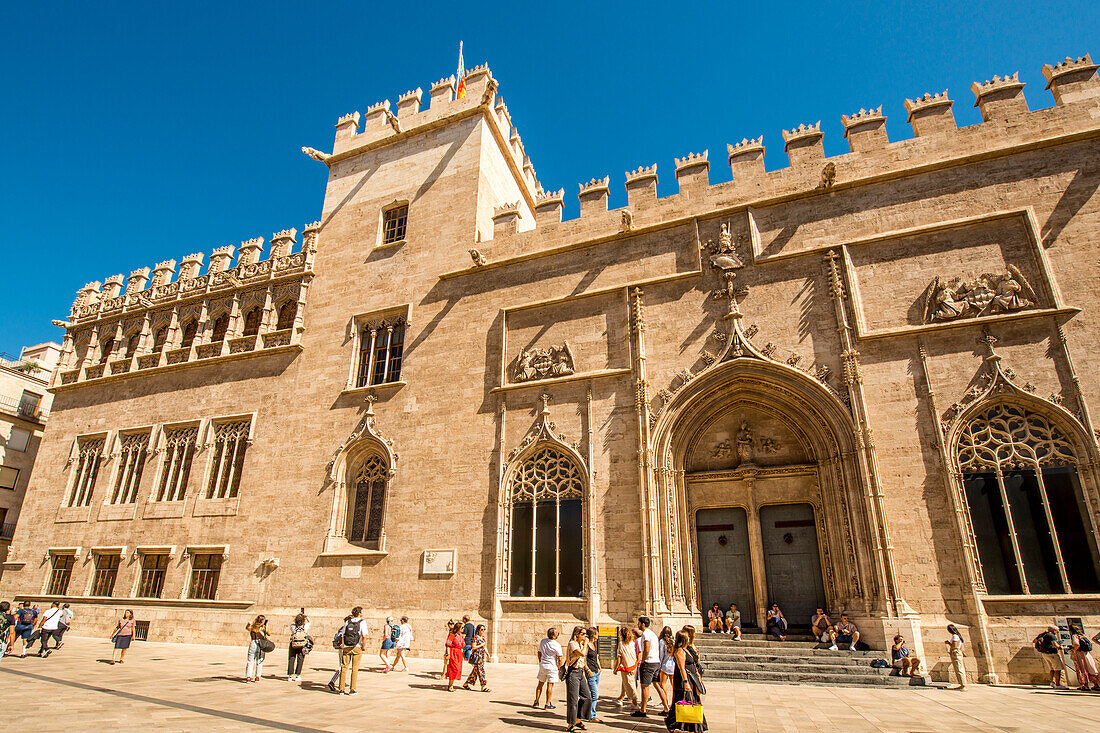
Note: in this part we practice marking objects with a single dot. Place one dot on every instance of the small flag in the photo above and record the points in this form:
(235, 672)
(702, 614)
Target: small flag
(461, 76)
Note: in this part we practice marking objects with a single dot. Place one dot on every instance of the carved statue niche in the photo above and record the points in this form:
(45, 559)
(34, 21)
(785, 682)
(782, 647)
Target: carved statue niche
(986, 295)
(723, 256)
(535, 363)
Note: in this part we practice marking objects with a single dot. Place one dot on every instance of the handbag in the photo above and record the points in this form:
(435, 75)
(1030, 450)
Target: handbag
(689, 712)
(265, 645)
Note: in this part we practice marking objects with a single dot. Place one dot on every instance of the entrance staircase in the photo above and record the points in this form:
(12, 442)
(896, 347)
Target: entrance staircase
(798, 660)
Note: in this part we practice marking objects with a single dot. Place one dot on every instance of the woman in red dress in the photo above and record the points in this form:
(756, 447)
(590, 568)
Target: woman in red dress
(455, 642)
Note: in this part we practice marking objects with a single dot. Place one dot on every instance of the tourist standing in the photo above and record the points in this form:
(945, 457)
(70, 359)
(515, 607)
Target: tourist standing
(24, 626)
(477, 660)
(353, 640)
(123, 635)
(468, 631)
(592, 663)
(1088, 677)
(66, 621)
(254, 659)
(668, 661)
(578, 696)
(777, 623)
(455, 643)
(650, 668)
(390, 632)
(955, 649)
(626, 663)
(297, 648)
(7, 629)
(549, 655)
(48, 624)
(1050, 650)
(403, 644)
(687, 685)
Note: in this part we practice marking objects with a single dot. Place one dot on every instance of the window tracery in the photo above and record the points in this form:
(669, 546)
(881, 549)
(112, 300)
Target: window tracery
(90, 455)
(230, 444)
(179, 449)
(365, 523)
(132, 454)
(1009, 437)
(287, 313)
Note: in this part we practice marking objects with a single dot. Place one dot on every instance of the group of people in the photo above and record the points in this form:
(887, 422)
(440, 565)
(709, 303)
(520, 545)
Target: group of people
(1079, 646)
(27, 624)
(667, 662)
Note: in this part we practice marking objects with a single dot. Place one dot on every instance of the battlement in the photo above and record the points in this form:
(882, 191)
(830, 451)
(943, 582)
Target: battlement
(1072, 80)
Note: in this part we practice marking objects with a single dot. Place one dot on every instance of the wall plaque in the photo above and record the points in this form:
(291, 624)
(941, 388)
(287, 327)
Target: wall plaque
(439, 562)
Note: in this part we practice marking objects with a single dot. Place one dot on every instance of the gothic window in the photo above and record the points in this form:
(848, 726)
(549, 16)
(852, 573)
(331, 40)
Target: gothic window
(189, 330)
(230, 443)
(106, 571)
(368, 487)
(287, 313)
(546, 495)
(89, 456)
(393, 224)
(60, 573)
(252, 321)
(221, 325)
(106, 346)
(131, 461)
(1027, 509)
(381, 346)
(132, 344)
(159, 337)
(179, 450)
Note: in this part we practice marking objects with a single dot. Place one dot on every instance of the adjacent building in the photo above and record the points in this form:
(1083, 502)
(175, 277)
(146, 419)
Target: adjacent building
(864, 381)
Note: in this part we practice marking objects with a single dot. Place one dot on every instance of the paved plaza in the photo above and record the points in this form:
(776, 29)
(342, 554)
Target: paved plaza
(185, 687)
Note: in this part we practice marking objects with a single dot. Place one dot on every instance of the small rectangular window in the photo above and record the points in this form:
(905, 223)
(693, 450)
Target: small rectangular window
(19, 439)
(206, 569)
(60, 574)
(381, 347)
(106, 572)
(153, 570)
(29, 403)
(8, 477)
(393, 224)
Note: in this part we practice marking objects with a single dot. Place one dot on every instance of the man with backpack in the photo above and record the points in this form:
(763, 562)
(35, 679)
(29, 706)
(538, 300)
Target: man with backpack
(7, 629)
(24, 626)
(353, 638)
(1050, 649)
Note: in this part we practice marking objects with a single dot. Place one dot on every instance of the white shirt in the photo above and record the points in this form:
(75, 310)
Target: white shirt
(405, 638)
(654, 656)
(549, 653)
(53, 618)
(67, 616)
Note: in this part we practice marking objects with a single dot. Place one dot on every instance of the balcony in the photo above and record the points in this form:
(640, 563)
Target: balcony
(24, 366)
(26, 409)
(7, 530)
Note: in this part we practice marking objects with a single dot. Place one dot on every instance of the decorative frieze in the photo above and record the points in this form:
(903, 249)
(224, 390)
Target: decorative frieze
(535, 363)
(985, 295)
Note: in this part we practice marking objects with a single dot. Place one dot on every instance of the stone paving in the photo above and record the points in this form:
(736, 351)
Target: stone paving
(187, 687)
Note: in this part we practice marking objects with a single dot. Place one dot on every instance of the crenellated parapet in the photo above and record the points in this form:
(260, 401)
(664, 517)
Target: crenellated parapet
(746, 158)
(594, 194)
(641, 186)
(693, 171)
(865, 130)
(506, 218)
(930, 114)
(803, 144)
(159, 322)
(549, 206)
(1072, 80)
(1001, 97)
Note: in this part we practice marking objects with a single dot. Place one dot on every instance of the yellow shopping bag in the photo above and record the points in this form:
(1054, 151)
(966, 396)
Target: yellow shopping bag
(688, 712)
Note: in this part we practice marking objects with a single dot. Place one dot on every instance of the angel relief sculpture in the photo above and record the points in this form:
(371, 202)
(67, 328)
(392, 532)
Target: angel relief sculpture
(986, 295)
(535, 363)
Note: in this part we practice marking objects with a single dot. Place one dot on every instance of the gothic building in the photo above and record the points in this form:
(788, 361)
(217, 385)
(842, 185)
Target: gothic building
(863, 381)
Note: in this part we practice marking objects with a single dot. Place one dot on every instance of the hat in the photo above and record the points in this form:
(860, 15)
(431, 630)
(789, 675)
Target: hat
(1052, 628)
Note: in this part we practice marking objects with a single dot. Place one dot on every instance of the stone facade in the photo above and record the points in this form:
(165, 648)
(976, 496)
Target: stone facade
(832, 334)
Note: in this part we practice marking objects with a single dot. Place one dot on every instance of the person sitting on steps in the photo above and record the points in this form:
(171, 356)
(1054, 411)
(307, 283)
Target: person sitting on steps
(777, 623)
(733, 622)
(821, 626)
(715, 619)
(905, 663)
(844, 633)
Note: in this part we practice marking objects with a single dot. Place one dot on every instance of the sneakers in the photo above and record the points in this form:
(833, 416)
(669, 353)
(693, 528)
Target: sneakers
(852, 648)
(638, 714)
(387, 669)
(833, 648)
(353, 692)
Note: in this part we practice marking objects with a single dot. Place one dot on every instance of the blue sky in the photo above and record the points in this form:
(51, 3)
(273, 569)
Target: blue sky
(135, 133)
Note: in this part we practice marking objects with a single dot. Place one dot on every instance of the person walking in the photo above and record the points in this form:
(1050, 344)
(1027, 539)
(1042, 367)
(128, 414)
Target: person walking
(390, 632)
(626, 661)
(468, 631)
(955, 649)
(1088, 677)
(403, 644)
(67, 616)
(7, 629)
(650, 668)
(254, 659)
(578, 696)
(550, 656)
(353, 639)
(592, 665)
(48, 624)
(668, 660)
(123, 635)
(687, 685)
(455, 643)
(25, 619)
(298, 647)
(477, 660)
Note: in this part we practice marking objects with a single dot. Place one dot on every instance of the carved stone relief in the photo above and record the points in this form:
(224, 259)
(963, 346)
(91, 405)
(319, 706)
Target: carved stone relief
(554, 361)
(986, 295)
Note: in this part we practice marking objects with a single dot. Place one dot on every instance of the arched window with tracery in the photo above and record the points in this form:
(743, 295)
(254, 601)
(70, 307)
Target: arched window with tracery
(221, 325)
(252, 321)
(287, 312)
(1027, 508)
(367, 502)
(190, 329)
(546, 498)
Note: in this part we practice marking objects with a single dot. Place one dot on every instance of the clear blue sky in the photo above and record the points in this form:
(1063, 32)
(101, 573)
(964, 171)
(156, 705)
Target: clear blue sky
(139, 132)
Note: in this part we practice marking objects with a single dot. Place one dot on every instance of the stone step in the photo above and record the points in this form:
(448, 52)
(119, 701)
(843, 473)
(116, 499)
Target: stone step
(847, 680)
(781, 651)
(792, 667)
(837, 659)
(793, 646)
(748, 636)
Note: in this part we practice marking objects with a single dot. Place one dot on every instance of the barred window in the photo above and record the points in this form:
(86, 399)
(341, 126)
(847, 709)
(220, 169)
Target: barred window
(546, 515)
(106, 346)
(131, 461)
(189, 330)
(179, 450)
(369, 503)
(252, 321)
(1026, 507)
(89, 457)
(393, 224)
(60, 573)
(287, 313)
(206, 570)
(381, 347)
(221, 325)
(159, 337)
(153, 569)
(106, 572)
(230, 443)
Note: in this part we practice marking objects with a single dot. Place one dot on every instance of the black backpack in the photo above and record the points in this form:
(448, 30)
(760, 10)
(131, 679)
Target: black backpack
(352, 632)
(1084, 644)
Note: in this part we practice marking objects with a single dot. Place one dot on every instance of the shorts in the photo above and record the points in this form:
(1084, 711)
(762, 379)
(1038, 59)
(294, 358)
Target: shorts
(825, 638)
(1053, 662)
(23, 632)
(648, 674)
(844, 639)
(548, 675)
(387, 643)
(896, 664)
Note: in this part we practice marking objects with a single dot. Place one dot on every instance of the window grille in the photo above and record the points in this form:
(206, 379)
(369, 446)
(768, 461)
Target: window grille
(106, 572)
(393, 224)
(59, 575)
(90, 455)
(131, 459)
(230, 443)
(252, 321)
(381, 347)
(179, 450)
(221, 325)
(206, 569)
(153, 570)
(1025, 505)
(546, 516)
(141, 631)
(370, 497)
(189, 332)
(287, 313)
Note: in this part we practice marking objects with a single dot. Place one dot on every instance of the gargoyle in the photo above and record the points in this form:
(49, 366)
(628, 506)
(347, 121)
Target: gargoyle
(316, 154)
(478, 258)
